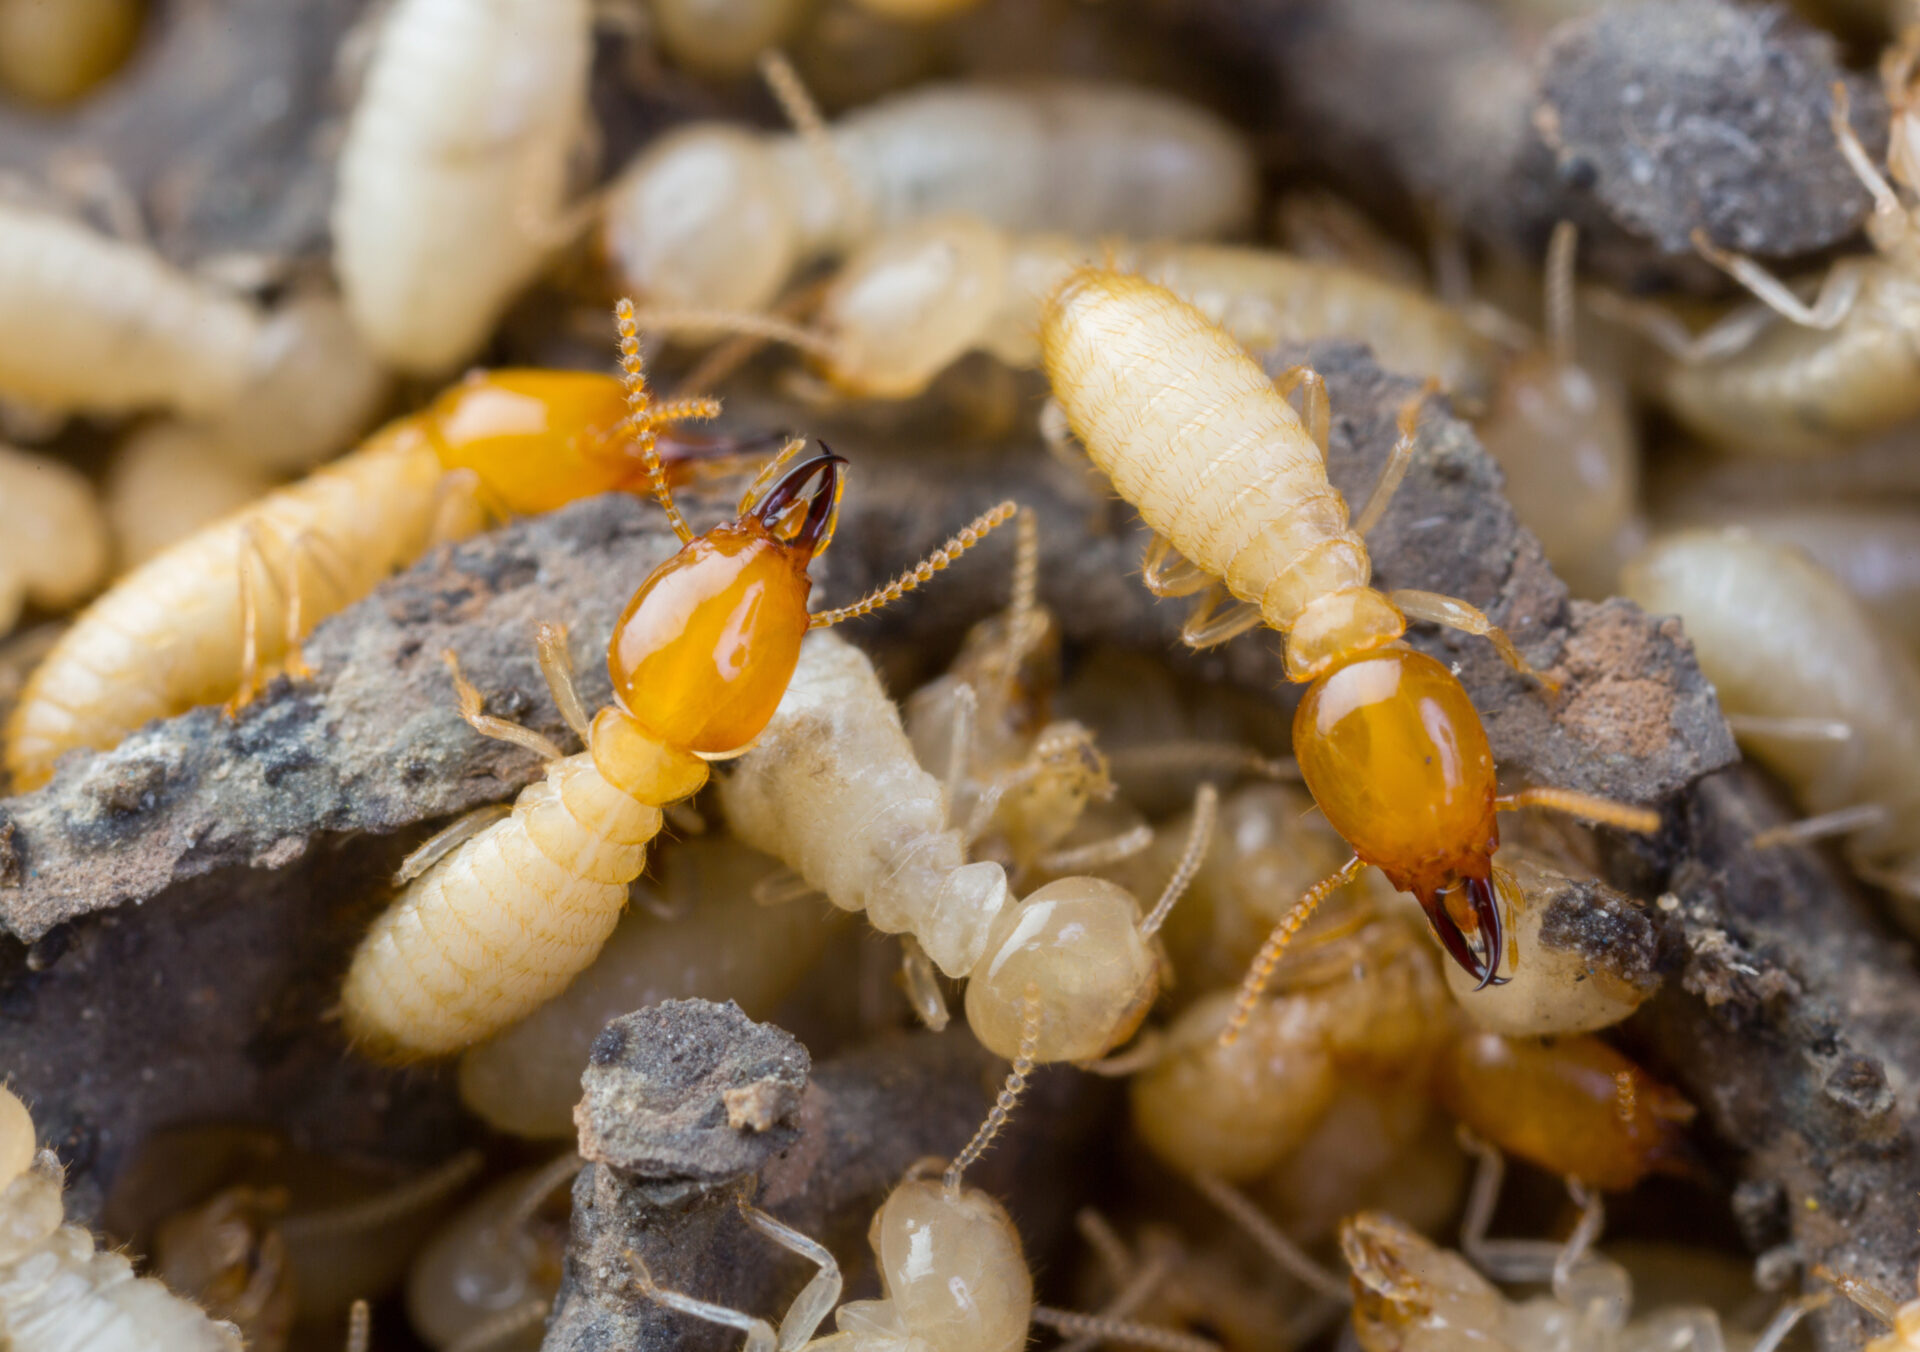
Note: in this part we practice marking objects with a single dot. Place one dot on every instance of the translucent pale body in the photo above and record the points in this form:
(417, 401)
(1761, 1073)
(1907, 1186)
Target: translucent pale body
(537, 439)
(1566, 442)
(115, 328)
(53, 535)
(481, 1264)
(1387, 1023)
(952, 1266)
(833, 789)
(723, 37)
(705, 649)
(1549, 990)
(1235, 1111)
(1410, 1295)
(1559, 1105)
(168, 480)
(1192, 432)
(1375, 1145)
(1394, 754)
(453, 171)
(724, 946)
(226, 1254)
(503, 924)
(55, 53)
(18, 1140)
(167, 636)
(713, 216)
(1778, 635)
(1077, 943)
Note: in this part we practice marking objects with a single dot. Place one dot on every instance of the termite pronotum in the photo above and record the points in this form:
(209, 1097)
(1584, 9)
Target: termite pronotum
(501, 922)
(199, 622)
(1234, 485)
(454, 169)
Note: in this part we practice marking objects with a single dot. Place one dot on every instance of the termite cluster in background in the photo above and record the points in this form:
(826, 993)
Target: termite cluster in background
(1339, 1003)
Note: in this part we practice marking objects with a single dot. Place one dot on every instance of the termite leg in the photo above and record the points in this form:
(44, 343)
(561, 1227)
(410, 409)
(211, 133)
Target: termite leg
(1837, 292)
(556, 664)
(1168, 572)
(1504, 1260)
(1144, 1053)
(968, 536)
(759, 1332)
(1208, 626)
(1642, 820)
(1862, 1293)
(359, 1327)
(1276, 946)
(1399, 460)
(1315, 408)
(1125, 1332)
(1206, 805)
(1271, 1239)
(818, 1297)
(1786, 1319)
(1886, 202)
(253, 574)
(1097, 854)
(309, 546)
(1664, 330)
(1454, 613)
(461, 503)
(446, 840)
(500, 729)
(1840, 822)
(798, 105)
(1790, 728)
(922, 984)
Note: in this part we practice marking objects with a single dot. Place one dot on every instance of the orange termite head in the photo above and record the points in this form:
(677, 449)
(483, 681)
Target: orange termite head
(1393, 752)
(704, 650)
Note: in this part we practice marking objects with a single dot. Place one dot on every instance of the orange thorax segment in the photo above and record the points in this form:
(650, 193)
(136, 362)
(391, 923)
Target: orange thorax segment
(537, 439)
(1393, 751)
(1572, 1105)
(703, 652)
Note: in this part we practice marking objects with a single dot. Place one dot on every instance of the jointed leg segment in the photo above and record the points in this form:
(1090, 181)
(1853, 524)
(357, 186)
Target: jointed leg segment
(1457, 614)
(500, 729)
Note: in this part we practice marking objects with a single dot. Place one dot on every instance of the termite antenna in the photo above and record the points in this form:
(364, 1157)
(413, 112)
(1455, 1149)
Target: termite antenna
(1561, 317)
(1009, 1092)
(966, 538)
(640, 420)
(1206, 802)
(794, 100)
(1268, 958)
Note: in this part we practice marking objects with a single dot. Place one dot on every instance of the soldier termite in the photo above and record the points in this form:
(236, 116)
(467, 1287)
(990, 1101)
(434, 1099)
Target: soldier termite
(1233, 482)
(700, 658)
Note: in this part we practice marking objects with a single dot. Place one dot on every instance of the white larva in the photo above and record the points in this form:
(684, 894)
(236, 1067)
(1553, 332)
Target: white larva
(114, 328)
(718, 216)
(454, 169)
(54, 546)
(59, 1292)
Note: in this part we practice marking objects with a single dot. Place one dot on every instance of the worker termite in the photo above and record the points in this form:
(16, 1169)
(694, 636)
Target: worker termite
(700, 658)
(55, 54)
(919, 297)
(53, 536)
(953, 1274)
(454, 169)
(698, 932)
(116, 327)
(714, 216)
(1233, 483)
(59, 1291)
(1785, 377)
(201, 621)
(1815, 689)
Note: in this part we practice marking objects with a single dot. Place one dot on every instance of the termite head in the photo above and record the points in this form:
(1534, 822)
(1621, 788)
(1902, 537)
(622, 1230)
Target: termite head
(704, 650)
(1337, 626)
(1393, 751)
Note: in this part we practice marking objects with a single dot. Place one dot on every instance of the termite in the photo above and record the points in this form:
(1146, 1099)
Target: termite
(53, 536)
(916, 299)
(724, 37)
(1233, 483)
(61, 1292)
(1816, 690)
(720, 217)
(700, 658)
(953, 1273)
(53, 55)
(454, 169)
(201, 621)
(835, 791)
(1787, 377)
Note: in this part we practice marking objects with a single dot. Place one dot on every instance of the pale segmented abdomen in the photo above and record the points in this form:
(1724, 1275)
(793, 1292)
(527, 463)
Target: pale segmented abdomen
(1192, 432)
(454, 167)
(501, 925)
(167, 637)
(832, 788)
(102, 325)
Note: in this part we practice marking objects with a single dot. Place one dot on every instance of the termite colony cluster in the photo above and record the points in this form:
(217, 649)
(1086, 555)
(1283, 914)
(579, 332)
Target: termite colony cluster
(614, 328)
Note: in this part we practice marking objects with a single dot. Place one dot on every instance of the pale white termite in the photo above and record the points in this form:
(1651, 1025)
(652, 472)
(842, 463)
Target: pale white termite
(917, 298)
(719, 216)
(834, 790)
(1819, 693)
(953, 1273)
(61, 1292)
(54, 547)
(454, 169)
(1788, 377)
(114, 326)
